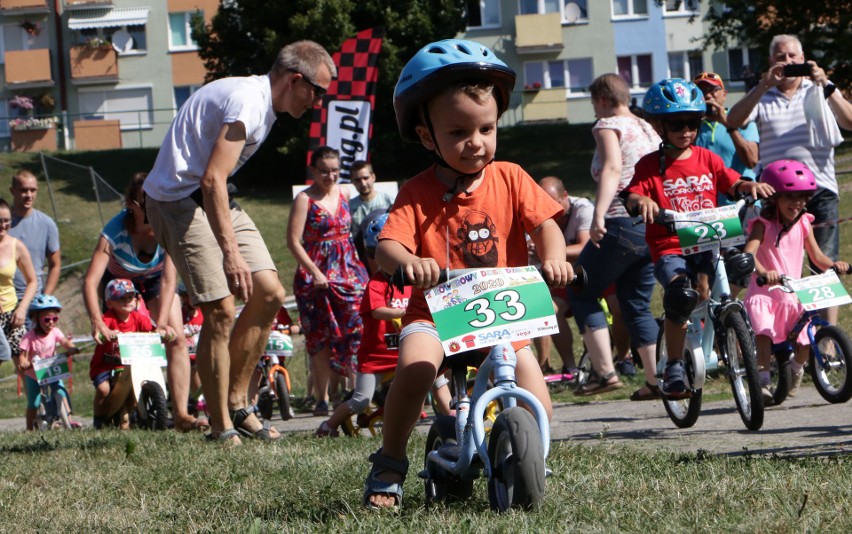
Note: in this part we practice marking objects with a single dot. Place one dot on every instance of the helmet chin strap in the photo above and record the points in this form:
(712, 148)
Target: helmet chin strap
(439, 160)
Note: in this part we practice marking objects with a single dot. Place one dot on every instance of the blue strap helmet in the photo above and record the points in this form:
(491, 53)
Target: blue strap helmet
(44, 302)
(673, 95)
(439, 64)
(372, 231)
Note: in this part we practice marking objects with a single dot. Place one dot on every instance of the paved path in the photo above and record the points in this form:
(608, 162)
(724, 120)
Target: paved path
(806, 425)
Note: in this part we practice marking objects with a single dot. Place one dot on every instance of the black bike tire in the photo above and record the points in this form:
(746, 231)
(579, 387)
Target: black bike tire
(844, 345)
(736, 329)
(517, 479)
(440, 485)
(282, 393)
(782, 378)
(156, 407)
(692, 404)
(61, 411)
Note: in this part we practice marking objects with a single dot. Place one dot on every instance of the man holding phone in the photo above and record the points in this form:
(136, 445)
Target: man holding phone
(738, 147)
(777, 104)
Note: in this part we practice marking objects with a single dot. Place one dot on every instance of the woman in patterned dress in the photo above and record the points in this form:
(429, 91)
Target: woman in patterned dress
(330, 280)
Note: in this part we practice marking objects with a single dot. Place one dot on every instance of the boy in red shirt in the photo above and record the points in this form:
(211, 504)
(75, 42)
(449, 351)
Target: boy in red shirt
(679, 177)
(121, 317)
(467, 211)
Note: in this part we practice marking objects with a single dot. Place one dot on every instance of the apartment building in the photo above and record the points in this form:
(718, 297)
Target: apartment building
(95, 74)
(558, 47)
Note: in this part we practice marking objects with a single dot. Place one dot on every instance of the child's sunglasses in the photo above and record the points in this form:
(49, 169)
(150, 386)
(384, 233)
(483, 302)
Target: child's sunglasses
(50, 319)
(679, 125)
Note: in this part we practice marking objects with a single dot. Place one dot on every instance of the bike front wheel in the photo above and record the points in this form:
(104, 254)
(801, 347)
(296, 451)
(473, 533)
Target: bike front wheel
(517, 461)
(742, 371)
(683, 412)
(441, 485)
(282, 393)
(832, 379)
(61, 410)
(156, 411)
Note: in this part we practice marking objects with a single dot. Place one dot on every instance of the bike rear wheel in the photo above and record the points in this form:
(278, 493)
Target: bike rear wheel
(781, 376)
(442, 486)
(61, 410)
(155, 415)
(282, 393)
(832, 379)
(517, 461)
(742, 370)
(683, 412)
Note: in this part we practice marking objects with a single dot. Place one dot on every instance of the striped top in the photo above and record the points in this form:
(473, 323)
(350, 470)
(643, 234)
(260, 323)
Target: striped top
(785, 133)
(123, 262)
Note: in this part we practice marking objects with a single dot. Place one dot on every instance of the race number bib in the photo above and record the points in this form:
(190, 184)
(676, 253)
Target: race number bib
(487, 307)
(141, 346)
(820, 291)
(701, 230)
(49, 370)
(279, 344)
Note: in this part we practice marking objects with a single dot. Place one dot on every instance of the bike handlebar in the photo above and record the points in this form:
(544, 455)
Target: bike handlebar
(761, 280)
(398, 279)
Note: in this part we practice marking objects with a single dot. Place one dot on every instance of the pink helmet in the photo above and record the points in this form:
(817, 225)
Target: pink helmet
(788, 176)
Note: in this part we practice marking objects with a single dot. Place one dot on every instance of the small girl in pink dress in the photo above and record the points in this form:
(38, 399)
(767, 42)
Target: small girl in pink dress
(777, 239)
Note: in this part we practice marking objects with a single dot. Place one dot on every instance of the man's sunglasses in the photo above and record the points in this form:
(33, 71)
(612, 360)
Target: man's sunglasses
(679, 125)
(707, 76)
(319, 91)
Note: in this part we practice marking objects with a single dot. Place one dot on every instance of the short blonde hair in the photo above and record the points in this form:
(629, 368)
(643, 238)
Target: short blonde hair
(612, 88)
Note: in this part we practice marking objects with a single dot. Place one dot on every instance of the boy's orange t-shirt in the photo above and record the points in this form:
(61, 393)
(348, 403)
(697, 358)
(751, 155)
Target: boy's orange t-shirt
(484, 228)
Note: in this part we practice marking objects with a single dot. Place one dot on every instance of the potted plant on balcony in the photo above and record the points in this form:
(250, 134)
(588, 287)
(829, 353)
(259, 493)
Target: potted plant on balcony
(23, 103)
(32, 28)
(32, 123)
(97, 43)
(532, 87)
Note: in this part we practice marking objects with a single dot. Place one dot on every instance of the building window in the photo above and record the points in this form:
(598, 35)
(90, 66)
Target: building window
(132, 106)
(573, 74)
(14, 38)
(636, 70)
(183, 93)
(180, 31)
(579, 75)
(125, 39)
(625, 8)
(686, 64)
(569, 11)
(682, 7)
(4, 124)
(483, 14)
(745, 62)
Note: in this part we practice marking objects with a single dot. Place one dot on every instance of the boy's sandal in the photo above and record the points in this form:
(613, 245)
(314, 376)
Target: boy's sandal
(224, 437)
(238, 417)
(602, 385)
(652, 394)
(199, 423)
(374, 486)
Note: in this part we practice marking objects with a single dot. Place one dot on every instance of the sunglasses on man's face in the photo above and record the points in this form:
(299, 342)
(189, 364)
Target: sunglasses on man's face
(679, 125)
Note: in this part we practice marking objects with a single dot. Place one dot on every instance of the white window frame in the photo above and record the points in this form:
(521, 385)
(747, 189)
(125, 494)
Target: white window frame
(187, 27)
(686, 7)
(634, 70)
(147, 118)
(133, 52)
(631, 10)
(540, 9)
(499, 22)
(566, 75)
(684, 58)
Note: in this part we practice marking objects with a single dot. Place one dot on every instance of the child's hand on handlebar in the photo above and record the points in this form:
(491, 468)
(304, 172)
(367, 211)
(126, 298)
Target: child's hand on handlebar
(557, 273)
(422, 272)
(841, 267)
(771, 277)
(167, 333)
(647, 209)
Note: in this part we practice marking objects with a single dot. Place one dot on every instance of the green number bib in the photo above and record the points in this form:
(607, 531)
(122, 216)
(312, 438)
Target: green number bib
(700, 230)
(491, 306)
(141, 346)
(49, 370)
(820, 291)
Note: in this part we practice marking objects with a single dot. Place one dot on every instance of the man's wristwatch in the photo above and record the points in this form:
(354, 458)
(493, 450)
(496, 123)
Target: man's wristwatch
(829, 89)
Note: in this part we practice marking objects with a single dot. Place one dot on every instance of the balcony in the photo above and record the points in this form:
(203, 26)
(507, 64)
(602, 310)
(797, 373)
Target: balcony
(93, 65)
(28, 68)
(97, 135)
(86, 4)
(538, 33)
(23, 7)
(545, 105)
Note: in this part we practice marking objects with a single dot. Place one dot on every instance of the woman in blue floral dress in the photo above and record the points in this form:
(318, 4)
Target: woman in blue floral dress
(330, 280)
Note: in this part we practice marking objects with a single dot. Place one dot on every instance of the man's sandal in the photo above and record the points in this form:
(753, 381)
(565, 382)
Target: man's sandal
(224, 437)
(602, 385)
(374, 486)
(238, 417)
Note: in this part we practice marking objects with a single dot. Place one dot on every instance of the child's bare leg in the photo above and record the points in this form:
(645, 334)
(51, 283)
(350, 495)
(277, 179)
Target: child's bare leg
(675, 335)
(763, 345)
(100, 403)
(530, 378)
(803, 354)
(31, 417)
(420, 355)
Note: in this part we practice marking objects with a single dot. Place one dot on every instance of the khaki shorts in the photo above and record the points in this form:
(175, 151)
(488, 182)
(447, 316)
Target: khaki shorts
(181, 227)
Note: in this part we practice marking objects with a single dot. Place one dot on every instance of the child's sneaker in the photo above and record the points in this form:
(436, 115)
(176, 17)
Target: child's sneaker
(768, 397)
(325, 431)
(796, 382)
(321, 409)
(674, 381)
(625, 367)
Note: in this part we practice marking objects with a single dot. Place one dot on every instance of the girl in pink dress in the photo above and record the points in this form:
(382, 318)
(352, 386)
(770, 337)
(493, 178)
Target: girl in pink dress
(777, 239)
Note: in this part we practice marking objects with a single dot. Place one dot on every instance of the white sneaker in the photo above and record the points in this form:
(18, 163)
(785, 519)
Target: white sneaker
(768, 397)
(796, 382)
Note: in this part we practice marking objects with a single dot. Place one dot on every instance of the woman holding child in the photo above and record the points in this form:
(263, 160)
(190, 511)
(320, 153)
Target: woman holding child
(617, 252)
(127, 249)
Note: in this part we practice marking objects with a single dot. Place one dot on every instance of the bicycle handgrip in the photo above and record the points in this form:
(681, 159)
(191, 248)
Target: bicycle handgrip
(761, 280)
(398, 279)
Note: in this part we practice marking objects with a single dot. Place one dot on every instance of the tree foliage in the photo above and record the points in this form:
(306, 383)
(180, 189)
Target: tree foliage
(823, 28)
(245, 36)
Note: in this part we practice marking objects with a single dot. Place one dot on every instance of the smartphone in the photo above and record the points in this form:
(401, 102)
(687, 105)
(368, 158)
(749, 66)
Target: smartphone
(797, 69)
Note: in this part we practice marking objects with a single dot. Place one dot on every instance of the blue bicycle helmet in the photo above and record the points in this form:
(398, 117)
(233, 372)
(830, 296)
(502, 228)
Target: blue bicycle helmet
(439, 64)
(372, 231)
(44, 302)
(673, 95)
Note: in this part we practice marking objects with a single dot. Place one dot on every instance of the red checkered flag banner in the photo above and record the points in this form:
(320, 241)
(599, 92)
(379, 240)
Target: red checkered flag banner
(344, 120)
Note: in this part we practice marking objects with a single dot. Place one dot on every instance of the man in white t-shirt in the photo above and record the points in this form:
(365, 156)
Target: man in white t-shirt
(216, 247)
(367, 201)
